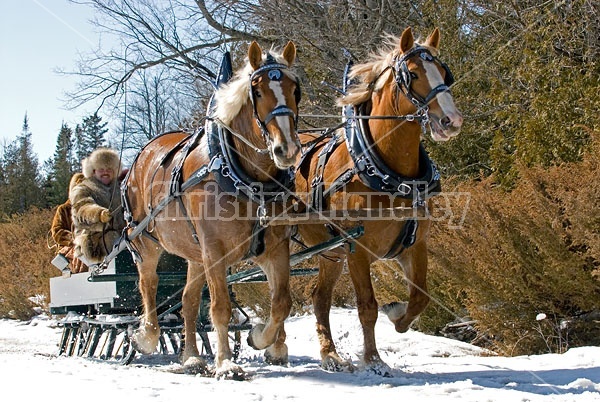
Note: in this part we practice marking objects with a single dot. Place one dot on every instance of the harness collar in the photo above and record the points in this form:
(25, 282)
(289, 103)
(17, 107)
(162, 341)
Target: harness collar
(232, 178)
(374, 172)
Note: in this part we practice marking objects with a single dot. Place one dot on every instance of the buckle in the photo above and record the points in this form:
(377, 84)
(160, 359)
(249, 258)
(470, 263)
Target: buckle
(404, 188)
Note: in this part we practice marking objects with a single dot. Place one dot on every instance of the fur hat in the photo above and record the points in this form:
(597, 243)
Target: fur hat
(101, 158)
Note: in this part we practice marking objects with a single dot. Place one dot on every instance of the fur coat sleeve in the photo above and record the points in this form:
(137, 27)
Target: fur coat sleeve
(61, 229)
(93, 238)
(89, 198)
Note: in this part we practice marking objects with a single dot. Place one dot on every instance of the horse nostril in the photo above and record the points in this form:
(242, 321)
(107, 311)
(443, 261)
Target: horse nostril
(280, 150)
(446, 122)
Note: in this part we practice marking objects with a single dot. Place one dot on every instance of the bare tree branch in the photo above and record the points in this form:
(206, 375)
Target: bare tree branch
(151, 36)
(233, 33)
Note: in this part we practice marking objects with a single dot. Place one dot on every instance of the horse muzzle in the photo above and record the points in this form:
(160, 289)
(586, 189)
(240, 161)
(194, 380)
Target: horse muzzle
(447, 127)
(285, 154)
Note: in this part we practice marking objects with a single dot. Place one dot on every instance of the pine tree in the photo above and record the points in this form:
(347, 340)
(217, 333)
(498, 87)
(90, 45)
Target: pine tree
(22, 182)
(81, 150)
(92, 135)
(6, 166)
(61, 167)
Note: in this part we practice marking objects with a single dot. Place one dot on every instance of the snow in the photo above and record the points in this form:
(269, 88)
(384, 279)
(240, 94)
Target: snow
(425, 367)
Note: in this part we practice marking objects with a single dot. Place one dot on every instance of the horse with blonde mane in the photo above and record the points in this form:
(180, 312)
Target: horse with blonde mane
(200, 197)
(377, 161)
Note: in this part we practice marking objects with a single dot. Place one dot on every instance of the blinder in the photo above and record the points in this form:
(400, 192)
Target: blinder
(404, 77)
(449, 78)
(407, 78)
(298, 93)
(274, 73)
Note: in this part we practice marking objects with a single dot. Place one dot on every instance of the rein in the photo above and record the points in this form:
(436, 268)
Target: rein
(261, 151)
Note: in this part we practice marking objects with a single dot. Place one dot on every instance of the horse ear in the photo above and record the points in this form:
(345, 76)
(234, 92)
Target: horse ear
(407, 40)
(255, 55)
(289, 53)
(433, 40)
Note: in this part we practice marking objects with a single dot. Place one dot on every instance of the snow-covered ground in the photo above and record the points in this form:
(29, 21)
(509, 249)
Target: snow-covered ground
(425, 368)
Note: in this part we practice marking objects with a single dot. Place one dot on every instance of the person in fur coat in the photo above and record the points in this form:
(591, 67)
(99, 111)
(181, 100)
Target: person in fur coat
(96, 206)
(62, 230)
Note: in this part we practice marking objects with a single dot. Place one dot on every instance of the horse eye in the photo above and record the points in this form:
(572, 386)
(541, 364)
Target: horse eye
(256, 93)
(413, 75)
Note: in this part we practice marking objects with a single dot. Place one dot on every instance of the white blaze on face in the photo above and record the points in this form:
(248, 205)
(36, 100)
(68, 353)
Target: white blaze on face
(435, 79)
(282, 121)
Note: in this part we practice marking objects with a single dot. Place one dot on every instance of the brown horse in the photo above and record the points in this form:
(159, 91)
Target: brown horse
(198, 197)
(380, 164)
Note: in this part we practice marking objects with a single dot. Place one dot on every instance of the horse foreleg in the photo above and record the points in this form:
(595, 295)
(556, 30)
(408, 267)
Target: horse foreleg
(220, 314)
(329, 273)
(415, 270)
(272, 334)
(190, 357)
(145, 338)
(360, 273)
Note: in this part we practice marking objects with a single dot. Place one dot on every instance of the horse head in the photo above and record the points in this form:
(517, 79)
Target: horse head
(426, 82)
(275, 94)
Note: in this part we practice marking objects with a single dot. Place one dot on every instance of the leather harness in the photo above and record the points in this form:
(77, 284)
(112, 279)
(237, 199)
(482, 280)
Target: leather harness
(368, 166)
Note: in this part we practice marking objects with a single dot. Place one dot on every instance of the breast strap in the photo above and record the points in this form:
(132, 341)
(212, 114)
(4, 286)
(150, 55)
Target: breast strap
(376, 174)
(231, 176)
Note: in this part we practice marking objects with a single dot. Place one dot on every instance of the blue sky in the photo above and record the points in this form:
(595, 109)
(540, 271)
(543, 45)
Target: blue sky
(36, 38)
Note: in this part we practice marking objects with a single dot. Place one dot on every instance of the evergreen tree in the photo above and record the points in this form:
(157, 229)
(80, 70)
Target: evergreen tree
(61, 167)
(22, 182)
(528, 77)
(5, 167)
(81, 150)
(93, 131)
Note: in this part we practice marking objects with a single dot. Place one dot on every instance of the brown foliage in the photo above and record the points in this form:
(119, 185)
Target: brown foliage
(533, 250)
(25, 267)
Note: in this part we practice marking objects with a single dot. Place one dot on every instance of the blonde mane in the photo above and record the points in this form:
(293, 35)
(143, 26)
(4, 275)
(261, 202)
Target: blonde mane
(366, 73)
(233, 96)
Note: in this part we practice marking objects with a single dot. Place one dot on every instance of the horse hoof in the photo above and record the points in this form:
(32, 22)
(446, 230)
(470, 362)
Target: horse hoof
(228, 370)
(195, 365)
(380, 368)
(403, 326)
(334, 363)
(141, 343)
(277, 356)
(383, 371)
(254, 333)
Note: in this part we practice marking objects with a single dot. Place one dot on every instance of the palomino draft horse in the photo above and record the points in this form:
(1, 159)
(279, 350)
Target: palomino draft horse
(199, 196)
(380, 164)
